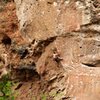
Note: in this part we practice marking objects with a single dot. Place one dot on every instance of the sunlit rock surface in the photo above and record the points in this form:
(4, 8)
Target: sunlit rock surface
(74, 24)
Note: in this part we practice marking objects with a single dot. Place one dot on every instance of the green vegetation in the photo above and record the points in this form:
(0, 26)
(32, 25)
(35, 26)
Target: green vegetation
(44, 97)
(6, 88)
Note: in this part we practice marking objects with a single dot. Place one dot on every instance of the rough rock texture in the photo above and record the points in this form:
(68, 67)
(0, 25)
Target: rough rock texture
(65, 42)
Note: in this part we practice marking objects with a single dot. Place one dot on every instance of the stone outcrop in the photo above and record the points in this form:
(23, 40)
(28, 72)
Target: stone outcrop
(69, 64)
(47, 18)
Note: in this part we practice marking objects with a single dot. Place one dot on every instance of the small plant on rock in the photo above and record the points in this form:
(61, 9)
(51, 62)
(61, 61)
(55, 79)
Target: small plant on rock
(44, 97)
(6, 88)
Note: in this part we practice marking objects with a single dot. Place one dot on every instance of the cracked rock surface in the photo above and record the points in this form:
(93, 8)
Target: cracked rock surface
(57, 53)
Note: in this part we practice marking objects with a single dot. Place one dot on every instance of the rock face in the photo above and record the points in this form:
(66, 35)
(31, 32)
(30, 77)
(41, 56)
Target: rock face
(74, 27)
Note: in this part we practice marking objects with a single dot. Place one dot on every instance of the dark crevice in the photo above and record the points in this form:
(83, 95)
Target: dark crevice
(23, 53)
(42, 44)
(89, 65)
(93, 64)
(14, 26)
(19, 86)
(6, 40)
(25, 74)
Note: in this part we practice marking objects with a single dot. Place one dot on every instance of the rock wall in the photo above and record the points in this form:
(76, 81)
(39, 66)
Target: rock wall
(47, 18)
(67, 32)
